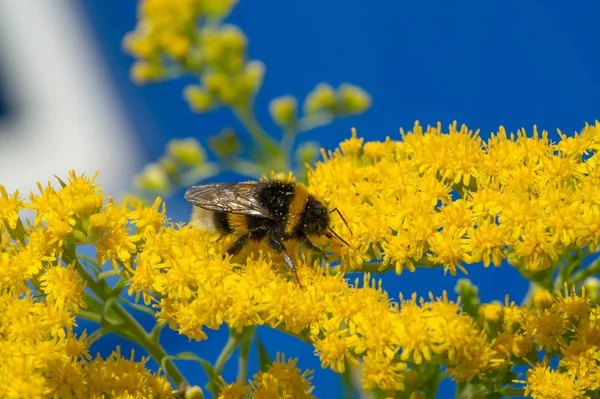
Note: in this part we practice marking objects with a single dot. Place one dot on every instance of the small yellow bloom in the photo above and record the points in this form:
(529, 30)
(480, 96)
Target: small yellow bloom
(545, 383)
(381, 372)
(542, 299)
(10, 205)
(546, 328)
(492, 312)
(63, 287)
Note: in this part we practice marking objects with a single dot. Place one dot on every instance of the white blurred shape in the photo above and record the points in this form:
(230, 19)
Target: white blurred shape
(67, 114)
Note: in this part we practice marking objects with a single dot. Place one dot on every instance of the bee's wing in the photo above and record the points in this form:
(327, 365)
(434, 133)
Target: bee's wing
(228, 197)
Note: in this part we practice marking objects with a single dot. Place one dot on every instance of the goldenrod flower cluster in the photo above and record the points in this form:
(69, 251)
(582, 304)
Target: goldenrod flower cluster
(432, 199)
(180, 37)
(566, 327)
(40, 297)
(453, 199)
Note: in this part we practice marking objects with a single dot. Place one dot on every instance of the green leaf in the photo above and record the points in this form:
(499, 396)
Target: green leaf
(264, 360)
(62, 183)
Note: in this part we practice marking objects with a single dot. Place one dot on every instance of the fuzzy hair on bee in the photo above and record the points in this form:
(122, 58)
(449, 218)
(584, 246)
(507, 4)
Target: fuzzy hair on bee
(272, 211)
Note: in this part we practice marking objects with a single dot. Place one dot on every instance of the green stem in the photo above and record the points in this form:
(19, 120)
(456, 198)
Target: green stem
(589, 271)
(287, 142)
(244, 359)
(258, 134)
(130, 324)
(226, 352)
(309, 124)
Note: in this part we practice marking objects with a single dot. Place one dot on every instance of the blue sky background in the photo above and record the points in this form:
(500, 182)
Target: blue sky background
(482, 63)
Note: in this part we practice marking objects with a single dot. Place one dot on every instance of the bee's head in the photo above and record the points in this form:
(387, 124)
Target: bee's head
(315, 217)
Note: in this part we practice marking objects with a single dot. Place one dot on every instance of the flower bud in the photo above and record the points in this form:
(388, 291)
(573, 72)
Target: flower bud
(253, 75)
(469, 295)
(143, 72)
(225, 144)
(521, 345)
(592, 287)
(194, 392)
(542, 299)
(218, 9)
(352, 99)
(307, 152)
(321, 99)
(198, 98)
(188, 151)
(233, 38)
(138, 45)
(492, 312)
(153, 178)
(284, 110)
(178, 46)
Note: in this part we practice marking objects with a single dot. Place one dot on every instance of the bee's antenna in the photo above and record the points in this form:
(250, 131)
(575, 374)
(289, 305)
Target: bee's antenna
(341, 216)
(337, 236)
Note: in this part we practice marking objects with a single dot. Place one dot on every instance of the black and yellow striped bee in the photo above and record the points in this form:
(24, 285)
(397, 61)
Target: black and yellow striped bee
(274, 211)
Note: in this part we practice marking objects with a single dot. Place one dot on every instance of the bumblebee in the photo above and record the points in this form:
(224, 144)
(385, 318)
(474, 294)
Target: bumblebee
(273, 211)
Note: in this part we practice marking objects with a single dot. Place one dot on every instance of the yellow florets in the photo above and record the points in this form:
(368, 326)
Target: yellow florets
(451, 199)
(404, 209)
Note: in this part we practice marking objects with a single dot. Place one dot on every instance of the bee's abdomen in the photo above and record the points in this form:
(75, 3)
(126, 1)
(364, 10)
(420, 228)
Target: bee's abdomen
(221, 222)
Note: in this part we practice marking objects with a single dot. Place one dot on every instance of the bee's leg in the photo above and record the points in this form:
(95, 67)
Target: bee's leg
(237, 246)
(221, 237)
(308, 244)
(279, 247)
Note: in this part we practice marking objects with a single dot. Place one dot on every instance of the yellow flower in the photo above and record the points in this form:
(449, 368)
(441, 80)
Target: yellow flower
(64, 214)
(115, 242)
(148, 220)
(383, 373)
(236, 390)
(63, 287)
(405, 210)
(10, 205)
(414, 335)
(546, 328)
(282, 380)
(448, 248)
(117, 376)
(493, 312)
(333, 350)
(544, 383)
(573, 305)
